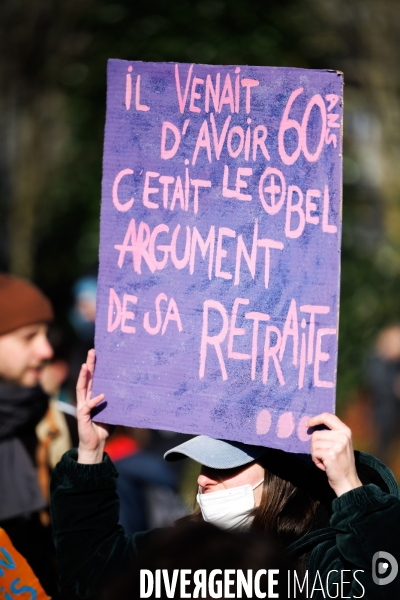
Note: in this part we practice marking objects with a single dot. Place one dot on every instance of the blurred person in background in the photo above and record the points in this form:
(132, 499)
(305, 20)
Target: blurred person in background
(25, 313)
(383, 382)
(57, 432)
(82, 316)
(83, 312)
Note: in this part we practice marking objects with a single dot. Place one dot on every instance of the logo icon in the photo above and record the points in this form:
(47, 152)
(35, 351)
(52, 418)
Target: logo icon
(381, 561)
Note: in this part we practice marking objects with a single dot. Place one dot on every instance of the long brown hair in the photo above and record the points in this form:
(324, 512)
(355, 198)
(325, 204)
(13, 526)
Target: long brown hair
(286, 512)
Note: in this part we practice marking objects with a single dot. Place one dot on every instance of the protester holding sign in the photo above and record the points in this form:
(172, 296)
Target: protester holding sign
(286, 495)
(217, 314)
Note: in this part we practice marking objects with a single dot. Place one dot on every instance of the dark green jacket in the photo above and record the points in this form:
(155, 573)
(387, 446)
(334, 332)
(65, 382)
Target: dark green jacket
(91, 546)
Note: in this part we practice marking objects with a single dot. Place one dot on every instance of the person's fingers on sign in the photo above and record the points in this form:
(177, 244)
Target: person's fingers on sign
(332, 451)
(92, 436)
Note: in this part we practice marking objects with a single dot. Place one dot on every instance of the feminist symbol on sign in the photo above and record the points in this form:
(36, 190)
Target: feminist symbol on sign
(274, 207)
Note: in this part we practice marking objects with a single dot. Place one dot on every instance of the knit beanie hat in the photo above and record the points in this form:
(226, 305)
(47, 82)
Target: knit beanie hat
(21, 304)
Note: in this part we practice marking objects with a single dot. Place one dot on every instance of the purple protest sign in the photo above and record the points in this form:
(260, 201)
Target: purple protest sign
(217, 309)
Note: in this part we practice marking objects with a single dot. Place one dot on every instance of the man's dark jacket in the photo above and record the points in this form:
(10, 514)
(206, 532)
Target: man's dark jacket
(21, 409)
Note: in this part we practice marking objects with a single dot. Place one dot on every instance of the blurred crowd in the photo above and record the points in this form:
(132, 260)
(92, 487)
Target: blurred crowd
(38, 424)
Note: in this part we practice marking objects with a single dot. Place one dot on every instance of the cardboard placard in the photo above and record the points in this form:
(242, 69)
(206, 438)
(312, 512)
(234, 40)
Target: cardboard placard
(217, 309)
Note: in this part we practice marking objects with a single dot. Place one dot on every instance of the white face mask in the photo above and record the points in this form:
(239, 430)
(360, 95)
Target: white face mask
(229, 508)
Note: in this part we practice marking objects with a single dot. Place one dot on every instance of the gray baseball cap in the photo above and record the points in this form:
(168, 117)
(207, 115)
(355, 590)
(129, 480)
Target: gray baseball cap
(216, 454)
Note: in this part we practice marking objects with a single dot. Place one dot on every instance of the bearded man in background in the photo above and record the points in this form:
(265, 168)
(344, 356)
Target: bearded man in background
(24, 348)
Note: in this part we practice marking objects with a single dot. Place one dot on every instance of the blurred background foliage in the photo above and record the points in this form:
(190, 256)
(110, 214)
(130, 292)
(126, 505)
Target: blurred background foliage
(52, 110)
